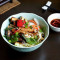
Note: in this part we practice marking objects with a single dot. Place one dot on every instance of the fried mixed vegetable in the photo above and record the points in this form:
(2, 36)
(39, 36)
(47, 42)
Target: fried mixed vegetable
(24, 33)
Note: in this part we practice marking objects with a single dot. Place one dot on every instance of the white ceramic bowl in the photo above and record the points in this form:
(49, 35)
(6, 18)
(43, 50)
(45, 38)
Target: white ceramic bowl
(50, 18)
(29, 16)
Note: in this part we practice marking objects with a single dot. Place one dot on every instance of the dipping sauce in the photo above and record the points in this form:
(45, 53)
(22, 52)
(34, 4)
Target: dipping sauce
(55, 22)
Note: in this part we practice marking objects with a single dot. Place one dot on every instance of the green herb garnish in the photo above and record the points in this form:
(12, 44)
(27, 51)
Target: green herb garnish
(36, 37)
(40, 30)
(8, 28)
(10, 41)
(30, 40)
(7, 37)
(26, 25)
(16, 34)
(13, 38)
(31, 27)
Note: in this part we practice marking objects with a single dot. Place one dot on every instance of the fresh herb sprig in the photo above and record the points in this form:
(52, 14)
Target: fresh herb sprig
(26, 24)
(12, 38)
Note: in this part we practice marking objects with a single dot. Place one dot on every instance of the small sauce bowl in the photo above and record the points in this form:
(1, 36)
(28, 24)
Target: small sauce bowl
(52, 17)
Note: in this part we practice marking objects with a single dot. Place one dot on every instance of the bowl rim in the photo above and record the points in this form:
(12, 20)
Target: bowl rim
(25, 47)
(54, 18)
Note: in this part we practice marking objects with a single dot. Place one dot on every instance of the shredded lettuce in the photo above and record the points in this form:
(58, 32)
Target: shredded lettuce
(30, 40)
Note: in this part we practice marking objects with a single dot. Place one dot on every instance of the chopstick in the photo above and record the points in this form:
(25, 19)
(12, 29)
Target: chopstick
(48, 6)
(54, 9)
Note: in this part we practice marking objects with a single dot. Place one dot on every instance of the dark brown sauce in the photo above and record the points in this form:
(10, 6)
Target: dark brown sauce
(55, 22)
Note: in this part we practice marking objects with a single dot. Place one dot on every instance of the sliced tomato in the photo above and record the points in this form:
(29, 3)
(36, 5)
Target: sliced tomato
(20, 23)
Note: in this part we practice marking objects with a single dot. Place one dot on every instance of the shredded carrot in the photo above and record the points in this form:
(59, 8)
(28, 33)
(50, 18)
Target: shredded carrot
(35, 27)
(33, 22)
(38, 26)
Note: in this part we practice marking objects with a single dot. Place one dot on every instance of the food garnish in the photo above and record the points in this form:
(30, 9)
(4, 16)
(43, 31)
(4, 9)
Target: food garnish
(24, 33)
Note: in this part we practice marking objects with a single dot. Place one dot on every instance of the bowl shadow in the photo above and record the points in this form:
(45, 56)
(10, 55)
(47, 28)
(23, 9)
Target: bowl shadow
(15, 55)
